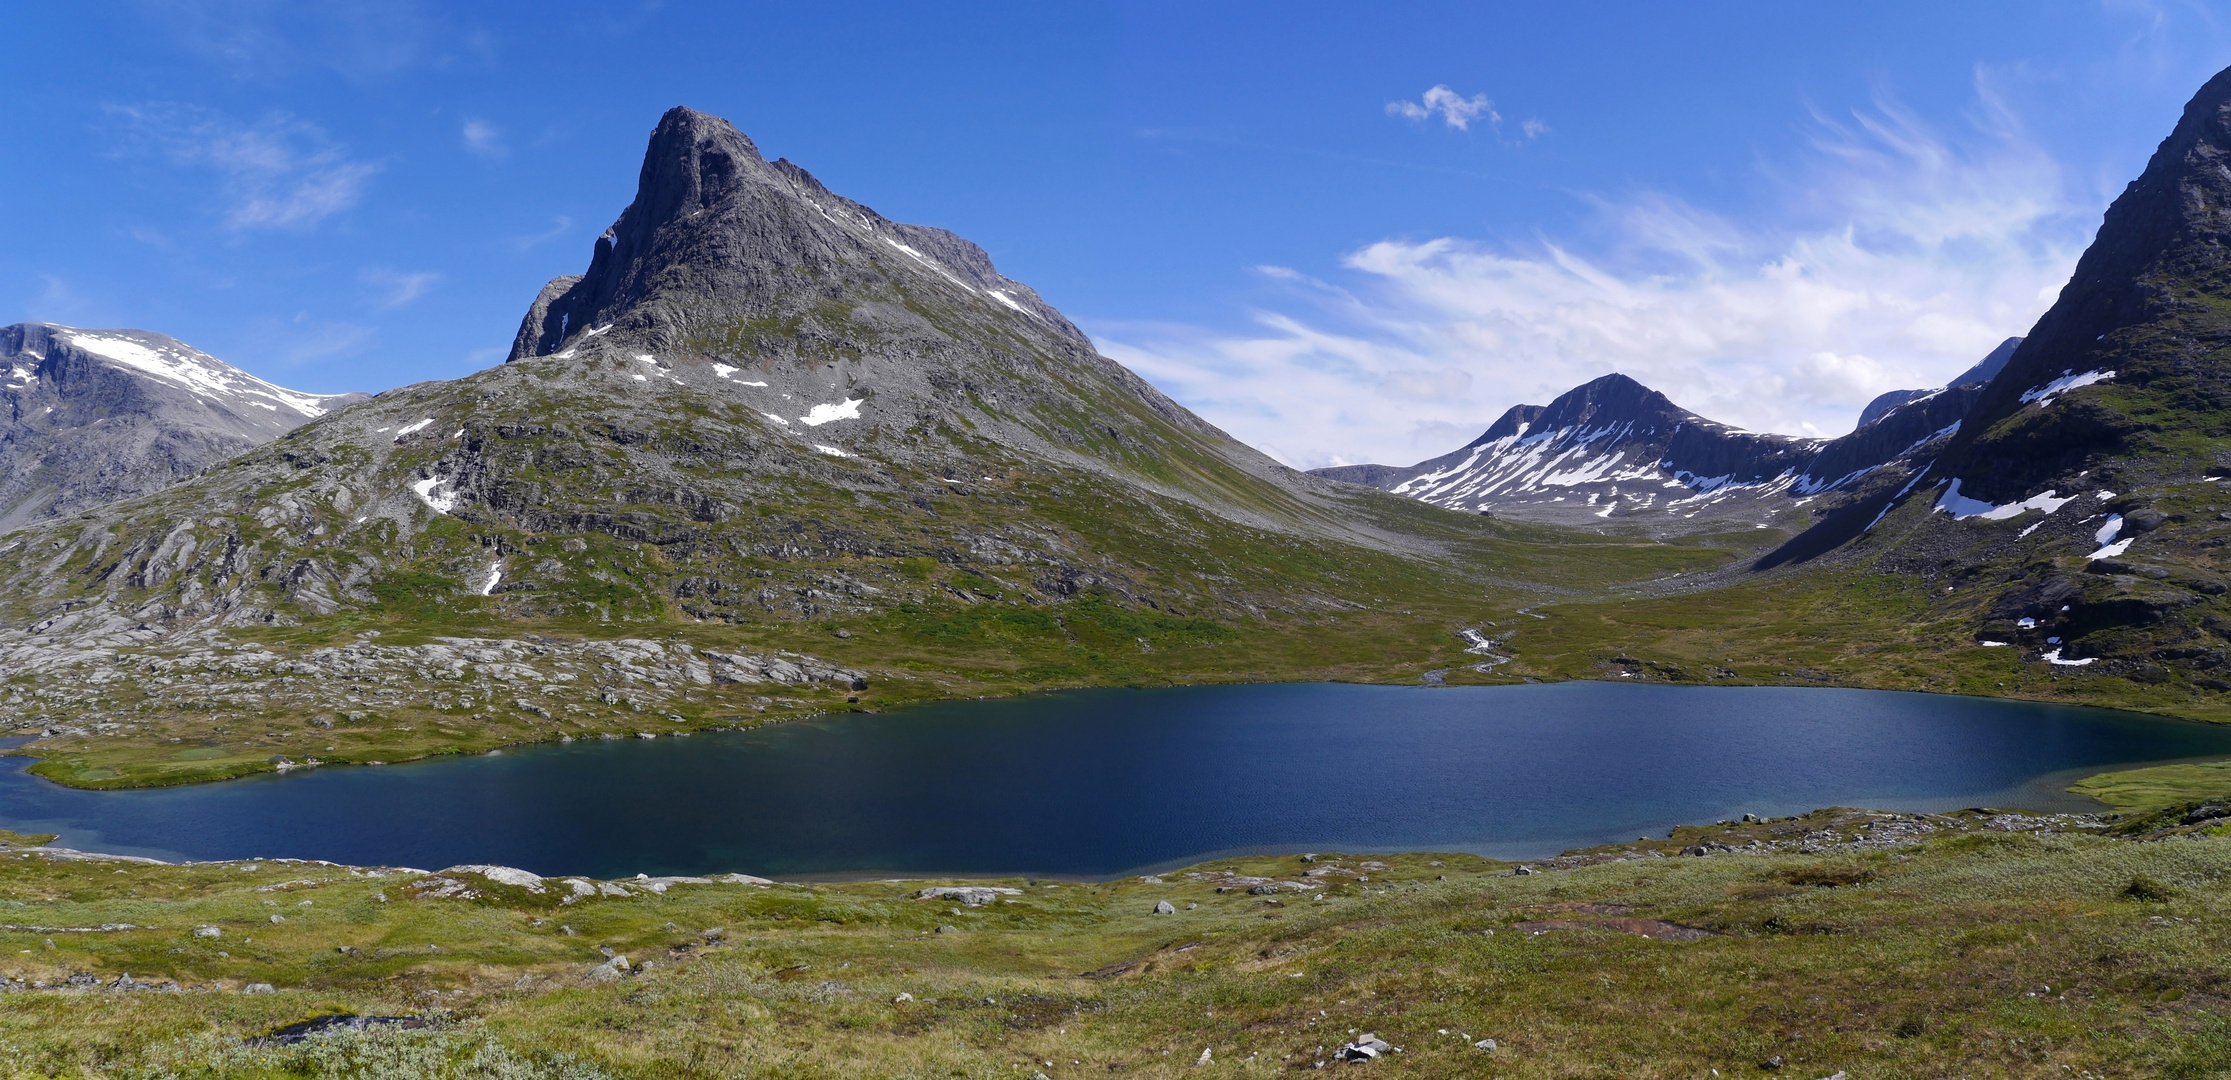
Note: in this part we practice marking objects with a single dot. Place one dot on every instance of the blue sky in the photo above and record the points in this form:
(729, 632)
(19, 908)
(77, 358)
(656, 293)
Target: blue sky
(1769, 211)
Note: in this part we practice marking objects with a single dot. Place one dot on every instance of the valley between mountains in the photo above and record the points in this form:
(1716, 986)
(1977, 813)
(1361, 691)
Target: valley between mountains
(772, 454)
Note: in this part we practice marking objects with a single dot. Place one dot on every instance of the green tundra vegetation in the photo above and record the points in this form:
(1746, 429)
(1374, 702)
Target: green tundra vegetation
(1873, 945)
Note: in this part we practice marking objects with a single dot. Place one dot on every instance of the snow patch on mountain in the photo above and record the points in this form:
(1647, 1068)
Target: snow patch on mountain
(198, 372)
(1961, 507)
(2045, 394)
(849, 409)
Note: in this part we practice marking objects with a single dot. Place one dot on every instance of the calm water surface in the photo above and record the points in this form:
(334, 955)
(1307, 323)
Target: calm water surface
(1098, 783)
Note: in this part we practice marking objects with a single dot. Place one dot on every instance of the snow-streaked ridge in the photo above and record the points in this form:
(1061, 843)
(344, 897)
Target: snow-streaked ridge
(198, 372)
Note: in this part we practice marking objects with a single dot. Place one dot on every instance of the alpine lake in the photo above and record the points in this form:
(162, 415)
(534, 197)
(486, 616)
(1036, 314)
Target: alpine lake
(1101, 783)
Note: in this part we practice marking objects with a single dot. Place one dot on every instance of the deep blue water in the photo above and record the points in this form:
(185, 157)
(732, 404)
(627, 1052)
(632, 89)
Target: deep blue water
(1098, 783)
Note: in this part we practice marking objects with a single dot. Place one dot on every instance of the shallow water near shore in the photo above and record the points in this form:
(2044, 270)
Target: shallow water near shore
(1098, 783)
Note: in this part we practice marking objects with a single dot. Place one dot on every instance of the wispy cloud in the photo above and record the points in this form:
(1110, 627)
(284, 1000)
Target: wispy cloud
(483, 140)
(1901, 255)
(397, 288)
(304, 340)
(1456, 110)
(275, 173)
(260, 39)
(559, 226)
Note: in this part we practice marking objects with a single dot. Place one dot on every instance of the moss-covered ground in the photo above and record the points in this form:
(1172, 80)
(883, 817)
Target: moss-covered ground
(1974, 953)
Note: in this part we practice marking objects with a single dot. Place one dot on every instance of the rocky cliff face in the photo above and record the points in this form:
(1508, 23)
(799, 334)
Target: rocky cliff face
(2082, 503)
(93, 416)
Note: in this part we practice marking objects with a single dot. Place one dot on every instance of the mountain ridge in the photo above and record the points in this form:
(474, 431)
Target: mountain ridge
(92, 416)
(1613, 449)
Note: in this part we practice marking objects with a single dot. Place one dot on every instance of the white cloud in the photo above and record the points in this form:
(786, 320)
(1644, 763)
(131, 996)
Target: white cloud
(1456, 110)
(1899, 258)
(1533, 128)
(277, 173)
(482, 139)
(398, 288)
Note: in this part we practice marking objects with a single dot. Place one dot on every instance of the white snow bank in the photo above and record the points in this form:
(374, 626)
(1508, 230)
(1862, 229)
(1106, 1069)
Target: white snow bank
(1008, 300)
(1992, 644)
(495, 574)
(586, 335)
(2109, 546)
(822, 414)
(1962, 508)
(830, 450)
(199, 373)
(723, 370)
(2045, 394)
(429, 492)
(776, 419)
(2054, 657)
(408, 428)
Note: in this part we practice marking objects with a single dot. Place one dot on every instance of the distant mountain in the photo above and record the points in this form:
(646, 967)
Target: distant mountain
(1975, 376)
(93, 416)
(1616, 450)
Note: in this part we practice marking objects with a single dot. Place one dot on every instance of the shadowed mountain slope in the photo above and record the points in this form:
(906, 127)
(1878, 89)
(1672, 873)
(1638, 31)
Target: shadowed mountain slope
(2080, 513)
(93, 416)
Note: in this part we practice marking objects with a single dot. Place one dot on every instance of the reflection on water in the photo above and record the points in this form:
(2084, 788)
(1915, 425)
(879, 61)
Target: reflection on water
(1097, 783)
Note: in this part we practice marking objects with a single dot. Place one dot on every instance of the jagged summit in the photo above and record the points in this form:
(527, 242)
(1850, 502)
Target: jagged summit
(93, 416)
(717, 234)
(795, 298)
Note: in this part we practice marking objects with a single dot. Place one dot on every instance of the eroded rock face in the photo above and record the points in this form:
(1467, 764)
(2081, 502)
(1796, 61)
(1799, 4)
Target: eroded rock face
(92, 416)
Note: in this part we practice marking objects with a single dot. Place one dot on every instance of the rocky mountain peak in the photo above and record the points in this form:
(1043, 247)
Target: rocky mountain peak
(1610, 399)
(718, 239)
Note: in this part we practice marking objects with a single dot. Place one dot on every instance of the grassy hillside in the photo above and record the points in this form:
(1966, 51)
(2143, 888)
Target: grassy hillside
(1958, 946)
(1175, 594)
